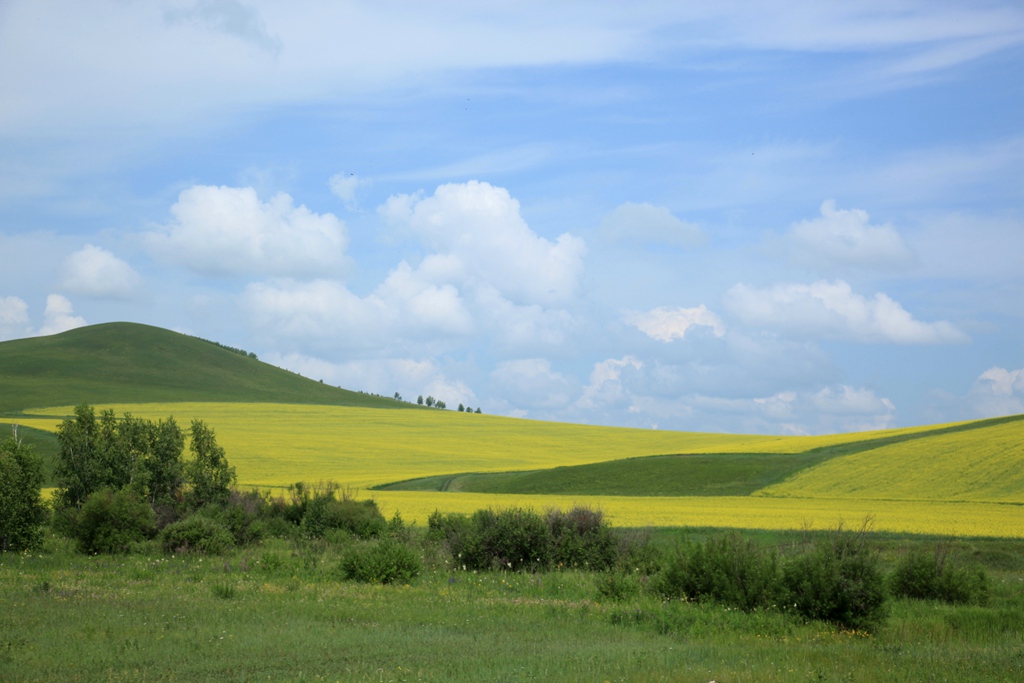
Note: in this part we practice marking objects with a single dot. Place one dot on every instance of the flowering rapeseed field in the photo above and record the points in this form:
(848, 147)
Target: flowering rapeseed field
(273, 445)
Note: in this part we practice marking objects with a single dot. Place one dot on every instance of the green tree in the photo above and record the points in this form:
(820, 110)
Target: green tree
(208, 471)
(21, 504)
(165, 469)
(79, 470)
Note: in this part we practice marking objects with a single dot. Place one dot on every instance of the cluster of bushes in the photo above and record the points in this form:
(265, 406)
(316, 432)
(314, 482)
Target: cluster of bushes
(838, 579)
(517, 539)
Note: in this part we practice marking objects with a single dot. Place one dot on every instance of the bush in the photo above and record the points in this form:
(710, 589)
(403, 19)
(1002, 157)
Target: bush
(197, 534)
(637, 554)
(21, 505)
(360, 518)
(581, 539)
(838, 581)
(725, 569)
(923, 577)
(517, 539)
(513, 539)
(619, 586)
(112, 522)
(385, 561)
(240, 515)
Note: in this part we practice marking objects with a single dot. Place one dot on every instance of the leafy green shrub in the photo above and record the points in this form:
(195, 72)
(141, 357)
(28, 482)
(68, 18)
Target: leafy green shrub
(619, 586)
(923, 577)
(725, 569)
(512, 539)
(111, 522)
(637, 554)
(361, 518)
(839, 581)
(197, 534)
(21, 505)
(581, 539)
(384, 561)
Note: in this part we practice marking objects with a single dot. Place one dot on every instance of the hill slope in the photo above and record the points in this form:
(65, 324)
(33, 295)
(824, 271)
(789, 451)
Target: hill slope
(979, 460)
(132, 363)
(985, 464)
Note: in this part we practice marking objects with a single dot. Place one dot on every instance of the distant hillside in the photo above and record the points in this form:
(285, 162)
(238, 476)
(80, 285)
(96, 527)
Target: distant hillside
(131, 363)
(978, 460)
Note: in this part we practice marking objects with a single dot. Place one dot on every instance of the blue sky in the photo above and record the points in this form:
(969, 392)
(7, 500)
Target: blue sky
(794, 217)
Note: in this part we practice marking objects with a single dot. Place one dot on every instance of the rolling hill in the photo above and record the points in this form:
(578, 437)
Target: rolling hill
(132, 363)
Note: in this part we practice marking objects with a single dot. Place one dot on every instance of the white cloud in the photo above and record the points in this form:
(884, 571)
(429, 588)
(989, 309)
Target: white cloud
(477, 232)
(665, 323)
(96, 272)
(606, 389)
(647, 223)
(532, 383)
(344, 187)
(847, 238)
(997, 392)
(59, 316)
(833, 310)
(402, 308)
(384, 376)
(229, 17)
(229, 231)
(13, 318)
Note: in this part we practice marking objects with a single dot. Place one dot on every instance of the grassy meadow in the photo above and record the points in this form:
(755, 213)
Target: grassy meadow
(280, 609)
(280, 612)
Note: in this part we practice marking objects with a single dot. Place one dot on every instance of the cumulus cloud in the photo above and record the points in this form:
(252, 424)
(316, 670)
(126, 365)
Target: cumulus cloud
(344, 187)
(647, 223)
(229, 17)
(833, 310)
(59, 316)
(998, 391)
(533, 383)
(13, 318)
(665, 323)
(606, 388)
(847, 238)
(478, 237)
(403, 305)
(384, 376)
(96, 272)
(229, 231)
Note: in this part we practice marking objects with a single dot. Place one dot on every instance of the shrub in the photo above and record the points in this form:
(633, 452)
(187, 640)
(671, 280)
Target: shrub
(581, 539)
(21, 505)
(240, 515)
(923, 577)
(618, 586)
(637, 554)
(513, 539)
(724, 569)
(838, 581)
(197, 534)
(361, 518)
(385, 561)
(111, 522)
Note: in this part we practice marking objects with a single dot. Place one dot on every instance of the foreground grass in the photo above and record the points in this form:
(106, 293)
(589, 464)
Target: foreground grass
(279, 612)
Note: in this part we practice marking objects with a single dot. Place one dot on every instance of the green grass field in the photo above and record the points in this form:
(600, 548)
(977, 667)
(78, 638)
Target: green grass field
(280, 613)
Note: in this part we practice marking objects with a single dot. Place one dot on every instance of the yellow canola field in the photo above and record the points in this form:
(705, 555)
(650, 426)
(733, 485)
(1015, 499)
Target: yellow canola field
(279, 444)
(739, 512)
(985, 464)
(274, 445)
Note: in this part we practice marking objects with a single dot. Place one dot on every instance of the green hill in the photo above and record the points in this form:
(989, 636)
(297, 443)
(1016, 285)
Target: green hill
(132, 363)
